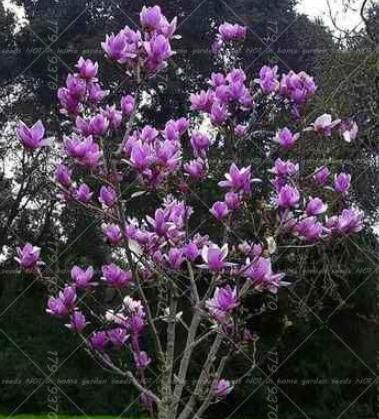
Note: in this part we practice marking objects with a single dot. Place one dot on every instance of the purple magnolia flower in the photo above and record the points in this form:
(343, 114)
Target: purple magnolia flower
(285, 169)
(176, 258)
(113, 233)
(28, 257)
(63, 175)
(99, 341)
(83, 193)
(260, 272)
(96, 94)
(62, 305)
(233, 201)
(107, 196)
(238, 180)
(268, 79)
(141, 156)
(141, 359)
(224, 301)
(112, 115)
(222, 388)
(321, 175)
(214, 257)
(191, 251)
(342, 182)
(202, 101)
(350, 221)
(200, 144)
(87, 69)
(219, 210)
(82, 277)
(219, 113)
(349, 130)
(309, 229)
(158, 49)
(196, 169)
(76, 87)
(316, 206)
(324, 124)
(32, 138)
(70, 104)
(288, 197)
(85, 152)
(240, 130)
(82, 126)
(115, 276)
(230, 32)
(286, 138)
(98, 125)
(77, 322)
(217, 79)
(127, 104)
(117, 337)
(298, 88)
(151, 17)
(115, 47)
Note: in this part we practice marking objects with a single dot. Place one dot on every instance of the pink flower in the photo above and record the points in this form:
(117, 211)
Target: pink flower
(316, 206)
(63, 175)
(230, 32)
(83, 193)
(113, 233)
(87, 69)
(116, 277)
(32, 138)
(222, 388)
(219, 210)
(342, 182)
(238, 180)
(77, 322)
(82, 277)
(107, 196)
(286, 139)
(268, 79)
(127, 104)
(349, 130)
(288, 197)
(324, 124)
(196, 169)
(321, 175)
(151, 17)
(28, 257)
(260, 272)
(214, 257)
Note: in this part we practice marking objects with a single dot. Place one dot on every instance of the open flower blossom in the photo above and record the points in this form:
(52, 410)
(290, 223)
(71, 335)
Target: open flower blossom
(324, 124)
(222, 388)
(115, 276)
(87, 69)
(83, 193)
(230, 32)
(63, 304)
(288, 197)
(260, 272)
(316, 206)
(219, 210)
(342, 182)
(77, 322)
(32, 138)
(108, 196)
(28, 257)
(99, 341)
(224, 301)
(268, 79)
(237, 179)
(349, 130)
(310, 230)
(214, 257)
(286, 138)
(348, 222)
(321, 175)
(82, 278)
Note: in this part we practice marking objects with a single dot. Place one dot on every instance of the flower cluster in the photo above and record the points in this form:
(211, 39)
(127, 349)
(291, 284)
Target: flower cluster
(148, 50)
(107, 149)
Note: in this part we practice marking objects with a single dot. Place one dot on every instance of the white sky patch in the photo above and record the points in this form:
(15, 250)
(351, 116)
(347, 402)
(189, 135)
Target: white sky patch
(346, 19)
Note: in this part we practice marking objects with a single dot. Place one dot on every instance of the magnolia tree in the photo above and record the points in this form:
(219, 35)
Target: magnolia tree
(167, 273)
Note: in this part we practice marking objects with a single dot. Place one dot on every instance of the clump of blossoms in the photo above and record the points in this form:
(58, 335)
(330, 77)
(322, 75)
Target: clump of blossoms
(167, 271)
